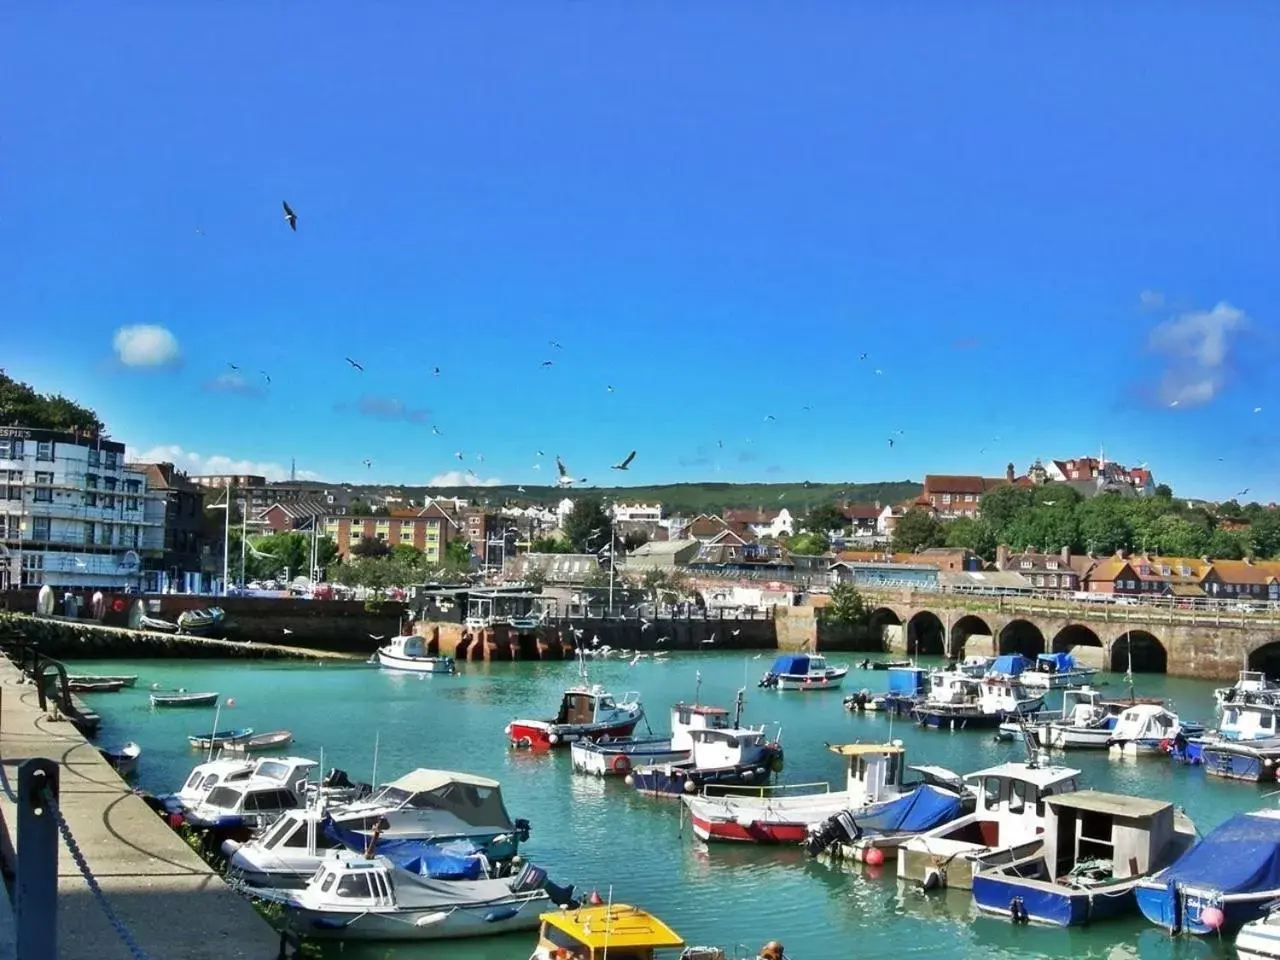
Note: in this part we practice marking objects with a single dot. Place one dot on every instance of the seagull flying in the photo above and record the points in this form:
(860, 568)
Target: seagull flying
(1257, 409)
(519, 489)
(609, 387)
(290, 217)
(368, 463)
(354, 364)
(480, 457)
(644, 624)
(1174, 403)
(862, 356)
(564, 479)
(556, 344)
(233, 366)
(266, 376)
(626, 462)
(710, 639)
(435, 372)
(286, 630)
(261, 554)
(1243, 492)
(541, 454)
(458, 455)
(891, 441)
(435, 430)
(81, 564)
(768, 417)
(547, 363)
(879, 372)
(377, 636)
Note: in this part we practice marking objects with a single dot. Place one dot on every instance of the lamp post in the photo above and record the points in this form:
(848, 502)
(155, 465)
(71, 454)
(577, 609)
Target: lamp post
(244, 534)
(226, 537)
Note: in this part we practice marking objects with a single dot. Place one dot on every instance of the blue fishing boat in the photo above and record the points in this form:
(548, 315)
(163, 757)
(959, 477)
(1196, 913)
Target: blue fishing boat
(907, 685)
(1253, 760)
(1097, 847)
(1224, 881)
(958, 701)
(730, 756)
(221, 738)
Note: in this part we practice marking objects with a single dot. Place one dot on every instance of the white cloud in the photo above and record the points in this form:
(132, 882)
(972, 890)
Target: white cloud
(145, 345)
(195, 463)
(1151, 299)
(456, 478)
(1197, 344)
(232, 382)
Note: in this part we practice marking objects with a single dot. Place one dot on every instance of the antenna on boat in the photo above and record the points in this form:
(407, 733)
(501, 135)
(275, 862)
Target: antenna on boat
(737, 707)
(377, 740)
(213, 735)
(697, 687)
(608, 921)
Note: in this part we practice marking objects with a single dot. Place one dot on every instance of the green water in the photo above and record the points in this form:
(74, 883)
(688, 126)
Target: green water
(598, 834)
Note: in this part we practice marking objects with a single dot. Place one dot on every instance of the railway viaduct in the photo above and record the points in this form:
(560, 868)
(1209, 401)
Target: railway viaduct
(1159, 639)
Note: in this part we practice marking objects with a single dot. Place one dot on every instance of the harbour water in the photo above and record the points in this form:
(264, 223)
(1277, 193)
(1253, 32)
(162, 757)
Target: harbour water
(601, 835)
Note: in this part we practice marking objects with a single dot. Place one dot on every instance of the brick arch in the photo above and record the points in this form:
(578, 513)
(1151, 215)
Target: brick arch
(1075, 635)
(1265, 656)
(1149, 654)
(967, 626)
(925, 634)
(1021, 636)
(882, 616)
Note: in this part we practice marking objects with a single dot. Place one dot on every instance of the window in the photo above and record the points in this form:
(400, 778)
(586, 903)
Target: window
(1017, 796)
(44, 450)
(10, 449)
(946, 498)
(1026, 564)
(95, 458)
(1051, 565)
(991, 790)
(88, 531)
(353, 885)
(43, 492)
(1164, 570)
(39, 528)
(968, 498)
(1053, 580)
(328, 883)
(110, 460)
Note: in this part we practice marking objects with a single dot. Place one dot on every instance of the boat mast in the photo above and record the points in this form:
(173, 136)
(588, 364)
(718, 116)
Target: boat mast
(213, 736)
(737, 707)
(377, 741)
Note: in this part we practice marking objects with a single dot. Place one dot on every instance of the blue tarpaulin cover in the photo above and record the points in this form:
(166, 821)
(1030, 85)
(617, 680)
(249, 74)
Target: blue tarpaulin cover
(907, 681)
(1010, 665)
(1061, 662)
(923, 808)
(790, 663)
(455, 860)
(1240, 856)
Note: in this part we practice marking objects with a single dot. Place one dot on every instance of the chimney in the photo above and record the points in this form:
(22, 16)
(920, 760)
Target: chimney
(1008, 473)
(1065, 555)
(1002, 557)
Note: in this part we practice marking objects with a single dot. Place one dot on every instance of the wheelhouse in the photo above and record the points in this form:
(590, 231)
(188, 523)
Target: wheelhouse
(616, 931)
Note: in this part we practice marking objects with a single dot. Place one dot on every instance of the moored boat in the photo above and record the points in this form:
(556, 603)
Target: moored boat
(957, 701)
(183, 699)
(1097, 847)
(94, 686)
(261, 742)
(803, 671)
(1253, 760)
(875, 779)
(124, 679)
(355, 897)
(409, 653)
(124, 759)
(1260, 939)
(601, 930)
(1149, 728)
(609, 757)
(586, 713)
(1007, 824)
(728, 756)
(1229, 878)
(1056, 671)
(1086, 722)
(220, 738)
(1251, 686)
(199, 622)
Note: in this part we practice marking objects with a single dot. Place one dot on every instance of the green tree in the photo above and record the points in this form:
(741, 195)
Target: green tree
(846, 605)
(1164, 491)
(587, 526)
(1173, 536)
(371, 547)
(1105, 526)
(971, 533)
(1264, 534)
(811, 543)
(1224, 545)
(291, 549)
(825, 518)
(21, 405)
(550, 545)
(359, 508)
(457, 555)
(917, 529)
(1001, 505)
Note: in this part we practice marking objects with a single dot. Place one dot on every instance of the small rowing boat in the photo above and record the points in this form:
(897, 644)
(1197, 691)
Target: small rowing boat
(124, 759)
(262, 742)
(183, 699)
(125, 680)
(222, 738)
(94, 686)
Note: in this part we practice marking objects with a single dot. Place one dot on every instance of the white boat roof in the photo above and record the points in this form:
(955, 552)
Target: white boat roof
(1040, 776)
(427, 779)
(866, 749)
(1147, 709)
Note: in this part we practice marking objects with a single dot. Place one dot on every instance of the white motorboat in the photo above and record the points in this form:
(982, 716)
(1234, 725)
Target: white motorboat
(1086, 722)
(1252, 686)
(442, 804)
(1149, 728)
(354, 897)
(409, 653)
(616, 758)
(1007, 824)
(1260, 939)
(876, 778)
(1056, 671)
(803, 671)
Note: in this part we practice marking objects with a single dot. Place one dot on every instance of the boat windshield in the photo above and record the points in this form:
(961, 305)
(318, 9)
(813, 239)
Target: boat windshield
(274, 770)
(476, 805)
(606, 703)
(278, 831)
(225, 797)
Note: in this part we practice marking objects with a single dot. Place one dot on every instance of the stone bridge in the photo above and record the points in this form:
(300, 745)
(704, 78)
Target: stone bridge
(1156, 639)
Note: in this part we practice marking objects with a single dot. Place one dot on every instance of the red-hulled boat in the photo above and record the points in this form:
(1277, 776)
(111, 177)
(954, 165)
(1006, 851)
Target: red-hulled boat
(586, 713)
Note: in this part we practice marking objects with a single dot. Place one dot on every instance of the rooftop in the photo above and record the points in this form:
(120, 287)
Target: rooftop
(617, 925)
(865, 749)
(1115, 804)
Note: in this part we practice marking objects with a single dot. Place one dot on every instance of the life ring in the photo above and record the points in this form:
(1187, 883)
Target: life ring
(622, 764)
(117, 605)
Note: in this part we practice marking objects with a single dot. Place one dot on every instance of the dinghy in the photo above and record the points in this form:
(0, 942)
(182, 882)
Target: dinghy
(124, 758)
(261, 742)
(182, 699)
(223, 738)
(125, 680)
(94, 686)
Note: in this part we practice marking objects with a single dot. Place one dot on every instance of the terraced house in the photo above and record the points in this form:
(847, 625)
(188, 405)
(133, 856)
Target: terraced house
(1189, 578)
(428, 530)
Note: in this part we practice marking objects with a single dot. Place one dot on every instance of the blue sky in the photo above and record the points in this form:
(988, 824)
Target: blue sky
(1041, 227)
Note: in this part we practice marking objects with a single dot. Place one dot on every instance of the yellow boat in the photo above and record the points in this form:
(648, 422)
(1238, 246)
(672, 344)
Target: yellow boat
(620, 931)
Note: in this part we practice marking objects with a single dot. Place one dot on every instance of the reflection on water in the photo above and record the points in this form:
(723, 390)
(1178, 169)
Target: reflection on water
(600, 834)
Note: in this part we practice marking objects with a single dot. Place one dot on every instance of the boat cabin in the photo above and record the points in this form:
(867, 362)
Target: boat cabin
(800, 665)
(686, 717)
(408, 646)
(253, 802)
(1055, 663)
(585, 705)
(1011, 800)
(1093, 837)
(617, 931)
(346, 880)
(877, 771)
(713, 749)
(454, 802)
(205, 776)
(299, 832)
(1145, 721)
(1248, 721)
(953, 689)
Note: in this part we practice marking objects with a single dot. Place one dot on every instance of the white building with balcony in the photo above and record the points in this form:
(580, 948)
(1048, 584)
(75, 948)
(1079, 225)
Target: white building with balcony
(71, 513)
(637, 512)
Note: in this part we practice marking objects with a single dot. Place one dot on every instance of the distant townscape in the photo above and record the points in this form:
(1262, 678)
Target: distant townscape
(74, 513)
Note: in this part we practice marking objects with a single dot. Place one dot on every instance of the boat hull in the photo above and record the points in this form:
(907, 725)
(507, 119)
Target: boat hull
(1180, 910)
(680, 779)
(418, 924)
(951, 864)
(1258, 940)
(1034, 680)
(1238, 765)
(196, 700)
(1074, 738)
(541, 735)
(754, 831)
(945, 720)
(391, 661)
(617, 759)
(998, 894)
(831, 680)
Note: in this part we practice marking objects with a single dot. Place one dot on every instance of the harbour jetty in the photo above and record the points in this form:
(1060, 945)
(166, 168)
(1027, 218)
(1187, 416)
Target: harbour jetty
(167, 898)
